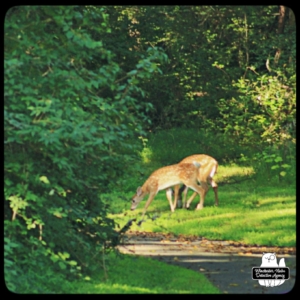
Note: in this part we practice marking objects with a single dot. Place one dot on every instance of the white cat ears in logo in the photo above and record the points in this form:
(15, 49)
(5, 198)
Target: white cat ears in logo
(269, 256)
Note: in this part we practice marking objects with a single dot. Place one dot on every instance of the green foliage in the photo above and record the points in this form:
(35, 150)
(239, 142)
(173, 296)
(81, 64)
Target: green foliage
(264, 115)
(167, 147)
(276, 165)
(209, 48)
(264, 112)
(70, 115)
(22, 268)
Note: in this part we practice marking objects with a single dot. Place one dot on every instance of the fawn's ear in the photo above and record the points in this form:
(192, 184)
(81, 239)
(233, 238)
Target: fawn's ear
(196, 164)
(139, 191)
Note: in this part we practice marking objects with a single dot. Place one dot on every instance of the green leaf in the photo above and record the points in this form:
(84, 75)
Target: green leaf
(51, 193)
(54, 258)
(95, 83)
(278, 159)
(133, 72)
(44, 179)
(7, 182)
(69, 35)
(73, 263)
(268, 160)
(274, 167)
(66, 255)
(51, 244)
(30, 226)
(62, 265)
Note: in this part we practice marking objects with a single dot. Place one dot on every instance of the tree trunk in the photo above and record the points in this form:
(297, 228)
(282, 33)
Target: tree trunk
(281, 23)
(281, 19)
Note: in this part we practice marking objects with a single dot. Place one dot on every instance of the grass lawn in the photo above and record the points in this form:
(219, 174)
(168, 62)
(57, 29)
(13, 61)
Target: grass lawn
(248, 212)
(140, 275)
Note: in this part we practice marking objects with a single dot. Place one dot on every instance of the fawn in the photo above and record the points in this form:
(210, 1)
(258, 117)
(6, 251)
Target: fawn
(166, 177)
(208, 169)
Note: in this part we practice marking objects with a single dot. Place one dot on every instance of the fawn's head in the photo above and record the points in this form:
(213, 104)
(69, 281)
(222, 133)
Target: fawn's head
(137, 198)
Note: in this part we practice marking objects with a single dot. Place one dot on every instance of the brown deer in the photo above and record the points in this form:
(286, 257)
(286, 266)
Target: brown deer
(166, 177)
(208, 169)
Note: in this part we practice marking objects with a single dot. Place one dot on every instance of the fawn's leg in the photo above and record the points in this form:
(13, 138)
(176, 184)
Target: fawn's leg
(151, 196)
(201, 190)
(215, 187)
(187, 205)
(183, 190)
(169, 193)
(176, 191)
(204, 187)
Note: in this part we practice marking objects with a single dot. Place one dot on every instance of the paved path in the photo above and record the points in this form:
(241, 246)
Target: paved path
(228, 267)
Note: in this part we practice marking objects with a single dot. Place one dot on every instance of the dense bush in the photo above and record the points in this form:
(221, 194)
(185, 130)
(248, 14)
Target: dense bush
(171, 146)
(70, 114)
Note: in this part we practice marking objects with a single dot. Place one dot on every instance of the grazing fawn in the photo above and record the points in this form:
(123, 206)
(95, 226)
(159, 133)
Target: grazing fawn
(166, 177)
(208, 169)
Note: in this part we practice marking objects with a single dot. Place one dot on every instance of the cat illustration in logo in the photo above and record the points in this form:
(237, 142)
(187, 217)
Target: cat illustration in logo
(270, 260)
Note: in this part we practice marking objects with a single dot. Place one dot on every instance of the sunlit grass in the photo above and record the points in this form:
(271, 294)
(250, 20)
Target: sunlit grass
(249, 212)
(253, 209)
(233, 170)
(146, 154)
(139, 275)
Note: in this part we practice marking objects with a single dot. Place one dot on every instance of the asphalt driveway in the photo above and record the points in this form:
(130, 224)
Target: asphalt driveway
(227, 265)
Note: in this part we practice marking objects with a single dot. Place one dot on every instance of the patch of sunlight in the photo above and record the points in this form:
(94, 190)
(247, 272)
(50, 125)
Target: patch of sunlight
(227, 215)
(263, 215)
(121, 288)
(115, 216)
(234, 170)
(277, 199)
(285, 211)
(204, 219)
(146, 155)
